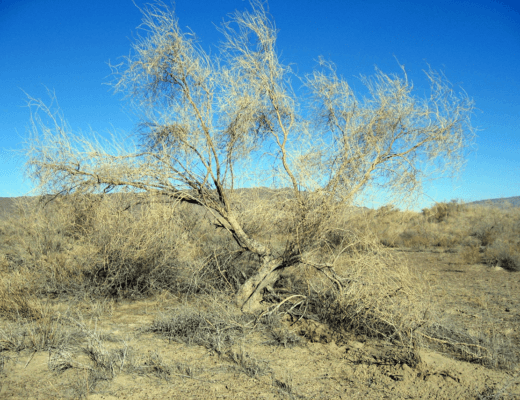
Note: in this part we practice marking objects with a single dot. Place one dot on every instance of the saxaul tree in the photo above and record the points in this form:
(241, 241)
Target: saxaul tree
(210, 121)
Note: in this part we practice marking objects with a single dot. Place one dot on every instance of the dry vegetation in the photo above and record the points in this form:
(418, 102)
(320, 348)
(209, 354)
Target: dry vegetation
(71, 264)
(479, 234)
(122, 228)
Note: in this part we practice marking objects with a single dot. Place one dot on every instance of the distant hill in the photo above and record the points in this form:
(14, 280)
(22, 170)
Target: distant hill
(7, 203)
(502, 202)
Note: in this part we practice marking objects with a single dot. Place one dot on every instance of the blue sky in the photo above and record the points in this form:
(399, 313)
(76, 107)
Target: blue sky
(66, 46)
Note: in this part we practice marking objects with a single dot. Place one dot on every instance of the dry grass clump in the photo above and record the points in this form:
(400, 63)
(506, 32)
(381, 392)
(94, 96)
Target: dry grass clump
(215, 328)
(48, 332)
(154, 364)
(491, 351)
(16, 304)
(246, 363)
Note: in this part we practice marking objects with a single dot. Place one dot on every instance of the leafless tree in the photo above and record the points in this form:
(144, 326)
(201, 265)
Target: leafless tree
(210, 122)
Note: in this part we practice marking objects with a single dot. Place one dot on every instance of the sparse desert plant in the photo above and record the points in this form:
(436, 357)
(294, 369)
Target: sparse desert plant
(284, 385)
(154, 364)
(246, 363)
(284, 337)
(495, 351)
(277, 332)
(3, 360)
(110, 361)
(213, 328)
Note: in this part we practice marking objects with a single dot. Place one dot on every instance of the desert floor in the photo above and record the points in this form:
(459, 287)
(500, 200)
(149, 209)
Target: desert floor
(118, 357)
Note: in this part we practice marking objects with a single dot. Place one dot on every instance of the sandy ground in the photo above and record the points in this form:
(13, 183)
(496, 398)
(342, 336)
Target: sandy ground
(473, 298)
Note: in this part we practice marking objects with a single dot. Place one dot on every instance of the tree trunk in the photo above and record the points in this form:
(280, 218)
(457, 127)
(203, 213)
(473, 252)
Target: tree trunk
(250, 293)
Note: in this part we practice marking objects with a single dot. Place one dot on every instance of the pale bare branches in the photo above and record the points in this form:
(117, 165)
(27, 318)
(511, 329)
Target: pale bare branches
(390, 137)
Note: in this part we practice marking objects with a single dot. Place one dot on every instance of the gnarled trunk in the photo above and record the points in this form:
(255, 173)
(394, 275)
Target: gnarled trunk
(250, 293)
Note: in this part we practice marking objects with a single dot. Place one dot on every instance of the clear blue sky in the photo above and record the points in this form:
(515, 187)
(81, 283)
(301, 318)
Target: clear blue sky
(65, 46)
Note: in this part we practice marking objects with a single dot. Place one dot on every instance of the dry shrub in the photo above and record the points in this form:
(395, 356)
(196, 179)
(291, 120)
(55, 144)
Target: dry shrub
(17, 295)
(497, 229)
(504, 253)
(40, 247)
(485, 231)
(135, 252)
(373, 292)
(115, 245)
(35, 230)
(415, 238)
(441, 211)
(449, 225)
(470, 255)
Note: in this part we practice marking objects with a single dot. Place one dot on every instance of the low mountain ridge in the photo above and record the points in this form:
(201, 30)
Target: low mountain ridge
(500, 202)
(7, 204)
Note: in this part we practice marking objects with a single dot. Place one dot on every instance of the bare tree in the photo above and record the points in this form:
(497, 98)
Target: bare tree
(209, 121)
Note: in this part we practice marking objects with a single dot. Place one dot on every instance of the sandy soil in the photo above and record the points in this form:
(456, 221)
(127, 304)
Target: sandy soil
(475, 299)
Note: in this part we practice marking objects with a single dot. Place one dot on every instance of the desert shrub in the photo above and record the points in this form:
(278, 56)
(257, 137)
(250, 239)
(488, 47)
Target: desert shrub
(503, 253)
(470, 255)
(372, 291)
(386, 210)
(225, 270)
(447, 225)
(160, 247)
(441, 211)
(416, 237)
(35, 230)
(118, 245)
(130, 252)
(486, 232)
